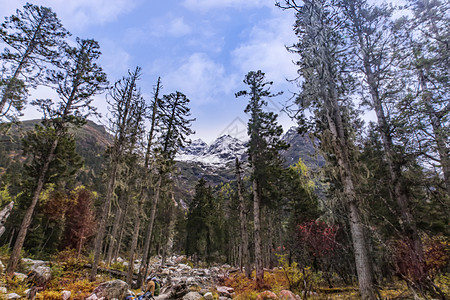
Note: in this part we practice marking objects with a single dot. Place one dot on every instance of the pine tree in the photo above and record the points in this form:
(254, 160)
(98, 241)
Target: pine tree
(243, 220)
(325, 86)
(429, 93)
(263, 150)
(198, 228)
(147, 176)
(175, 127)
(378, 45)
(79, 79)
(34, 37)
(127, 109)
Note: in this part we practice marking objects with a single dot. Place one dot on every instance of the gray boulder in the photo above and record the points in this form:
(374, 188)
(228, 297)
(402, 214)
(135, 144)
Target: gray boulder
(66, 295)
(112, 289)
(177, 291)
(192, 296)
(40, 275)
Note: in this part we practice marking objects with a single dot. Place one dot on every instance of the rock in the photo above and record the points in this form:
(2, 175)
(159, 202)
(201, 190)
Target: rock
(92, 297)
(223, 298)
(192, 296)
(165, 272)
(208, 296)
(178, 291)
(13, 296)
(20, 276)
(111, 289)
(40, 275)
(225, 291)
(190, 281)
(184, 267)
(226, 267)
(3, 290)
(66, 295)
(288, 295)
(266, 295)
(31, 263)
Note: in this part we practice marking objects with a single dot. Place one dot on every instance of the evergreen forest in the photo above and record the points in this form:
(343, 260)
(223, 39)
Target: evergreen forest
(90, 211)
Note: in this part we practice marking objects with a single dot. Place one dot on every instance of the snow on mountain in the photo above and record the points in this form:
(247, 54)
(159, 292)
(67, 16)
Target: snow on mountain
(223, 151)
(220, 153)
(196, 147)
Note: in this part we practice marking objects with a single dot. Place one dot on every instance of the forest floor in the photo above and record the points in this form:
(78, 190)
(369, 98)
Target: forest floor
(69, 273)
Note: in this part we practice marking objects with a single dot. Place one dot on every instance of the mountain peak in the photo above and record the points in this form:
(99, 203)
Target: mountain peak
(221, 152)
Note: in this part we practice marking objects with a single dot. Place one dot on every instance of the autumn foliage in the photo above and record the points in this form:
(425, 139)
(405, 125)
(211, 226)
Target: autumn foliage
(80, 224)
(317, 237)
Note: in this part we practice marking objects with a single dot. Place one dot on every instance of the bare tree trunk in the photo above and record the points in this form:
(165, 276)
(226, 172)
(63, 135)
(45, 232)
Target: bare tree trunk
(170, 231)
(103, 219)
(122, 229)
(148, 238)
(244, 253)
(15, 254)
(360, 247)
(270, 242)
(134, 241)
(257, 232)
(113, 239)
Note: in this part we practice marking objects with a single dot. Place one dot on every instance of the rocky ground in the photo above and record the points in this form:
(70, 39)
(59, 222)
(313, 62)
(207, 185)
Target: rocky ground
(179, 281)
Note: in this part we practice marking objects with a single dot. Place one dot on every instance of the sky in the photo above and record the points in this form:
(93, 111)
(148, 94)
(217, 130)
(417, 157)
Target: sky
(202, 48)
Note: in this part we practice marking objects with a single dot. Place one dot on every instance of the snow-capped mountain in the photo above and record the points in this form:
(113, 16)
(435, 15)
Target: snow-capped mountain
(219, 154)
(223, 151)
(216, 162)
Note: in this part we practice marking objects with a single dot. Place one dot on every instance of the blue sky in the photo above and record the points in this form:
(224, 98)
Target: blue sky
(202, 48)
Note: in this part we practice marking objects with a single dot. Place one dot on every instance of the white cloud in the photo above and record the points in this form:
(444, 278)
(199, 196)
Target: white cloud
(178, 27)
(204, 5)
(114, 60)
(265, 49)
(79, 13)
(201, 79)
(168, 25)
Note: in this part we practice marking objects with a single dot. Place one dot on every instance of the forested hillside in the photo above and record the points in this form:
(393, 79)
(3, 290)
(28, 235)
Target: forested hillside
(353, 203)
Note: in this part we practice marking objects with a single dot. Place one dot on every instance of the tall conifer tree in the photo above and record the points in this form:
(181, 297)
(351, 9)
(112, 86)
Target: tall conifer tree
(79, 79)
(263, 150)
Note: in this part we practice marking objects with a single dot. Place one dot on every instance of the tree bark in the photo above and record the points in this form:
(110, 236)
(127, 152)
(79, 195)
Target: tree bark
(257, 233)
(113, 237)
(149, 233)
(360, 247)
(122, 228)
(170, 232)
(134, 241)
(103, 219)
(244, 253)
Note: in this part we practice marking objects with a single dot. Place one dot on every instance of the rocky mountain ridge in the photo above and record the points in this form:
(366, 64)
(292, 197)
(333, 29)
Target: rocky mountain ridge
(222, 152)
